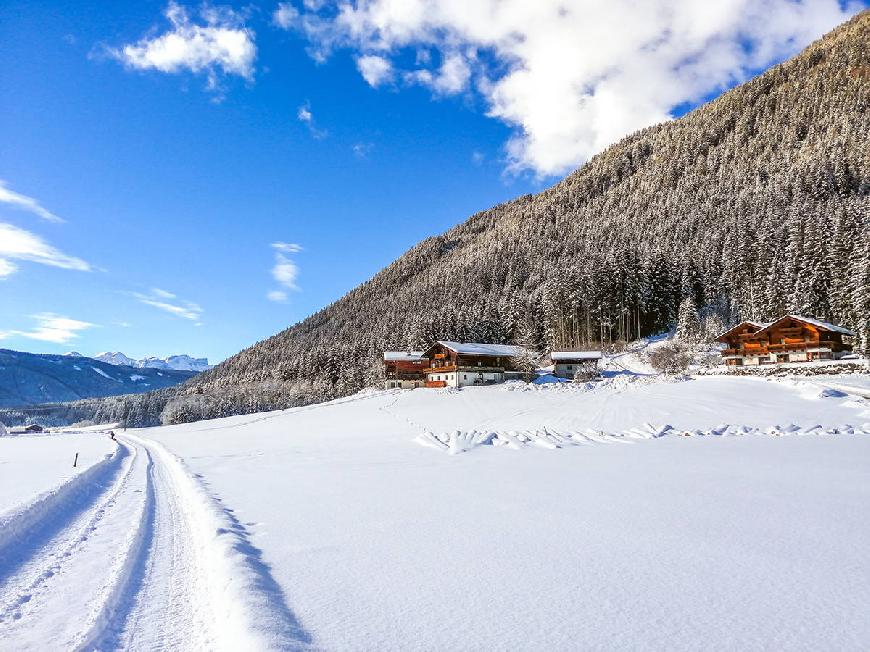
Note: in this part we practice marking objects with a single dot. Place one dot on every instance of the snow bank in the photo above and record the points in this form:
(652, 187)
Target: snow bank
(460, 441)
(251, 612)
(50, 510)
(35, 464)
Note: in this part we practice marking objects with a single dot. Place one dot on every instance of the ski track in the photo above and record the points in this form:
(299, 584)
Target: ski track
(135, 554)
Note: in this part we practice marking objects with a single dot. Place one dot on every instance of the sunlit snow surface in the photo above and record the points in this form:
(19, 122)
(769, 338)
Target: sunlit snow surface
(714, 542)
(515, 517)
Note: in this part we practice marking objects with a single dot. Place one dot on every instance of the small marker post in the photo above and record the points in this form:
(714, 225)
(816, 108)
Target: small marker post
(76, 460)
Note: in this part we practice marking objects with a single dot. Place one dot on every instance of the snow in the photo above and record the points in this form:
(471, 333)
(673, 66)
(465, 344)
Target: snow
(115, 358)
(558, 516)
(675, 542)
(136, 377)
(824, 324)
(103, 373)
(760, 325)
(174, 362)
(404, 355)
(575, 355)
(33, 464)
(474, 348)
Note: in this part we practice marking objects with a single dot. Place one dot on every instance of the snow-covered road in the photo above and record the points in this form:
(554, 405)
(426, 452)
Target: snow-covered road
(133, 554)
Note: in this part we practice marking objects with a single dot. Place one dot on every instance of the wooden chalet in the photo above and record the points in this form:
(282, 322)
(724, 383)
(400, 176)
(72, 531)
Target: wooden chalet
(460, 364)
(792, 338)
(404, 369)
(567, 363)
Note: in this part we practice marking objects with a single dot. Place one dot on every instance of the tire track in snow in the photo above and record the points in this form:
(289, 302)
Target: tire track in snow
(150, 561)
(25, 530)
(74, 569)
(204, 567)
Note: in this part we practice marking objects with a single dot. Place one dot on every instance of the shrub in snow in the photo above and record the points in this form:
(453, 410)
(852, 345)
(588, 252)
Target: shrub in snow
(586, 370)
(526, 363)
(670, 358)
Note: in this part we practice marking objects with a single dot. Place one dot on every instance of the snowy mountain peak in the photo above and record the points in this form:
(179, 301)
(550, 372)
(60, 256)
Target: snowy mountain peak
(116, 358)
(176, 362)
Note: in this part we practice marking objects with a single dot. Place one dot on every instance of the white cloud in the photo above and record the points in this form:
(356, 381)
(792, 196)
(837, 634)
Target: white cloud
(18, 244)
(12, 198)
(221, 45)
(163, 294)
(284, 270)
(450, 78)
(168, 302)
(361, 150)
(375, 70)
(51, 328)
(572, 76)
(304, 115)
(285, 15)
(7, 268)
(287, 247)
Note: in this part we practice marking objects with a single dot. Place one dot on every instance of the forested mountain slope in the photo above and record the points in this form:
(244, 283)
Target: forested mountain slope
(753, 205)
(33, 378)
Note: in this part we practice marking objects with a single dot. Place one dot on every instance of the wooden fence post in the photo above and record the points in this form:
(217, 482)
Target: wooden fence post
(76, 460)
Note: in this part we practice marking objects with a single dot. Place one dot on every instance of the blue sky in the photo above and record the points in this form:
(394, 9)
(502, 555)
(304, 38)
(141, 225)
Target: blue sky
(145, 189)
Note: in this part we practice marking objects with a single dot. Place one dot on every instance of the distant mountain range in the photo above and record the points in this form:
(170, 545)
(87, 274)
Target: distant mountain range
(30, 379)
(176, 362)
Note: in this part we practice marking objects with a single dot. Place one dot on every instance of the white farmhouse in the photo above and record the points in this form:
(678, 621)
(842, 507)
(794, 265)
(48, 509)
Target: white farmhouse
(460, 364)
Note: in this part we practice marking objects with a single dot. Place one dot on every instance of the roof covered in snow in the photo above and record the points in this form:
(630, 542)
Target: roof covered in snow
(476, 348)
(818, 323)
(759, 325)
(392, 356)
(575, 355)
(825, 325)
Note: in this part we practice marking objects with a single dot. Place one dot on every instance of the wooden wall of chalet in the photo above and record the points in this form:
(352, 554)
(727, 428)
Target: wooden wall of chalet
(791, 332)
(784, 335)
(440, 356)
(405, 368)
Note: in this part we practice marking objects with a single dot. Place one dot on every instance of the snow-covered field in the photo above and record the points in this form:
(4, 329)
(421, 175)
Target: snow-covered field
(568, 517)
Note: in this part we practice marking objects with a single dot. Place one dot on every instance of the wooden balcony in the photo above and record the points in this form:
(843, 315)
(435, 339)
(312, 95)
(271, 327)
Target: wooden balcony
(783, 348)
(437, 370)
(435, 384)
(791, 346)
